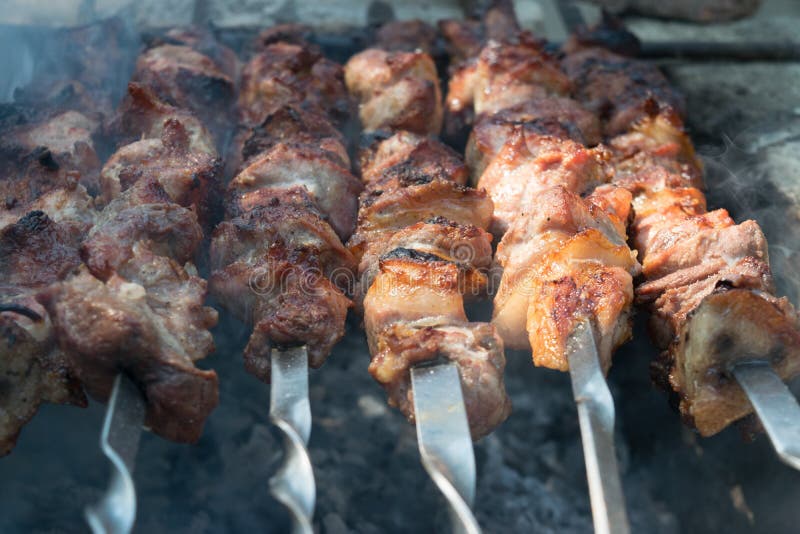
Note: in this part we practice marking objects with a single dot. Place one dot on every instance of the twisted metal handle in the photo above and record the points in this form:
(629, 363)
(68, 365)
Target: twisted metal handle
(290, 410)
(115, 513)
(444, 440)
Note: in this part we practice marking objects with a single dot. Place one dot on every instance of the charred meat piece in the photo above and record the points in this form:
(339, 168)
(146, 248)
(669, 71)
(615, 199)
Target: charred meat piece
(395, 91)
(190, 179)
(505, 74)
(272, 268)
(187, 79)
(143, 115)
(146, 328)
(422, 249)
(414, 313)
(45, 154)
(33, 254)
(283, 74)
(203, 41)
(296, 164)
(559, 117)
(144, 213)
(620, 90)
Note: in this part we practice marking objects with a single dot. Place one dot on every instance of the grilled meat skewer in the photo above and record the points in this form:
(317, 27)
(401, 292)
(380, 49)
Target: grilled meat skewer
(421, 245)
(287, 208)
(707, 280)
(563, 256)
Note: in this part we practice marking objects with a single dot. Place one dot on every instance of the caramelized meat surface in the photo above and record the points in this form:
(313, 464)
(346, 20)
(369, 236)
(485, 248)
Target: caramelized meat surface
(187, 79)
(152, 328)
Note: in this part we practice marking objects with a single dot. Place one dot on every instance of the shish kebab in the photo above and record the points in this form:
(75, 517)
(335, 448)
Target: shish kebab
(276, 257)
(422, 250)
(136, 304)
(566, 289)
(728, 342)
(50, 165)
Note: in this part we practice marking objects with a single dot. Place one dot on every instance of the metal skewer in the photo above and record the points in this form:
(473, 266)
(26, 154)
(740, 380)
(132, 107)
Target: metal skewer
(445, 444)
(596, 416)
(776, 407)
(115, 513)
(290, 410)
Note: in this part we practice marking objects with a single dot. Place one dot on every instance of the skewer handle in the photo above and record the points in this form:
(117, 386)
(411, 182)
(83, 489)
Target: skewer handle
(776, 407)
(445, 444)
(596, 417)
(290, 410)
(115, 513)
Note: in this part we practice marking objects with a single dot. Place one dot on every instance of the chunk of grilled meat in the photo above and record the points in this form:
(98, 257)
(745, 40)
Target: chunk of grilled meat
(191, 179)
(558, 117)
(70, 207)
(395, 90)
(620, 90)
(143, 115)
(422, 248)
(143, 213)
(465, 38)
(308, 165)
(562, 262)
(152, 328)
(283, 74)
(707, 280)
(203, 41)
(272, 267)
(34, 252)
(527, 164)
(47, 153)
(137, 307)
(187, 79)
(505, 74)
(414, 313)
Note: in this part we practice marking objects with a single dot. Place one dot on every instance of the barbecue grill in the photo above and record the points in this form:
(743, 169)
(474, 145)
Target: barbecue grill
(530, 472)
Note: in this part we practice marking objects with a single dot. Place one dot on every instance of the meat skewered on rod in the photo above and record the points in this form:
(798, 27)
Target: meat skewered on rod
(289, 205)
(567, 274)
(422, 249)
(137, 303)
(727, 341)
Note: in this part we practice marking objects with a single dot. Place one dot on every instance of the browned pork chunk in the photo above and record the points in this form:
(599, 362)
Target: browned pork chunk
(191, 179)
(187, 79)
(34, 252)
(272, 267)
(395, 91)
